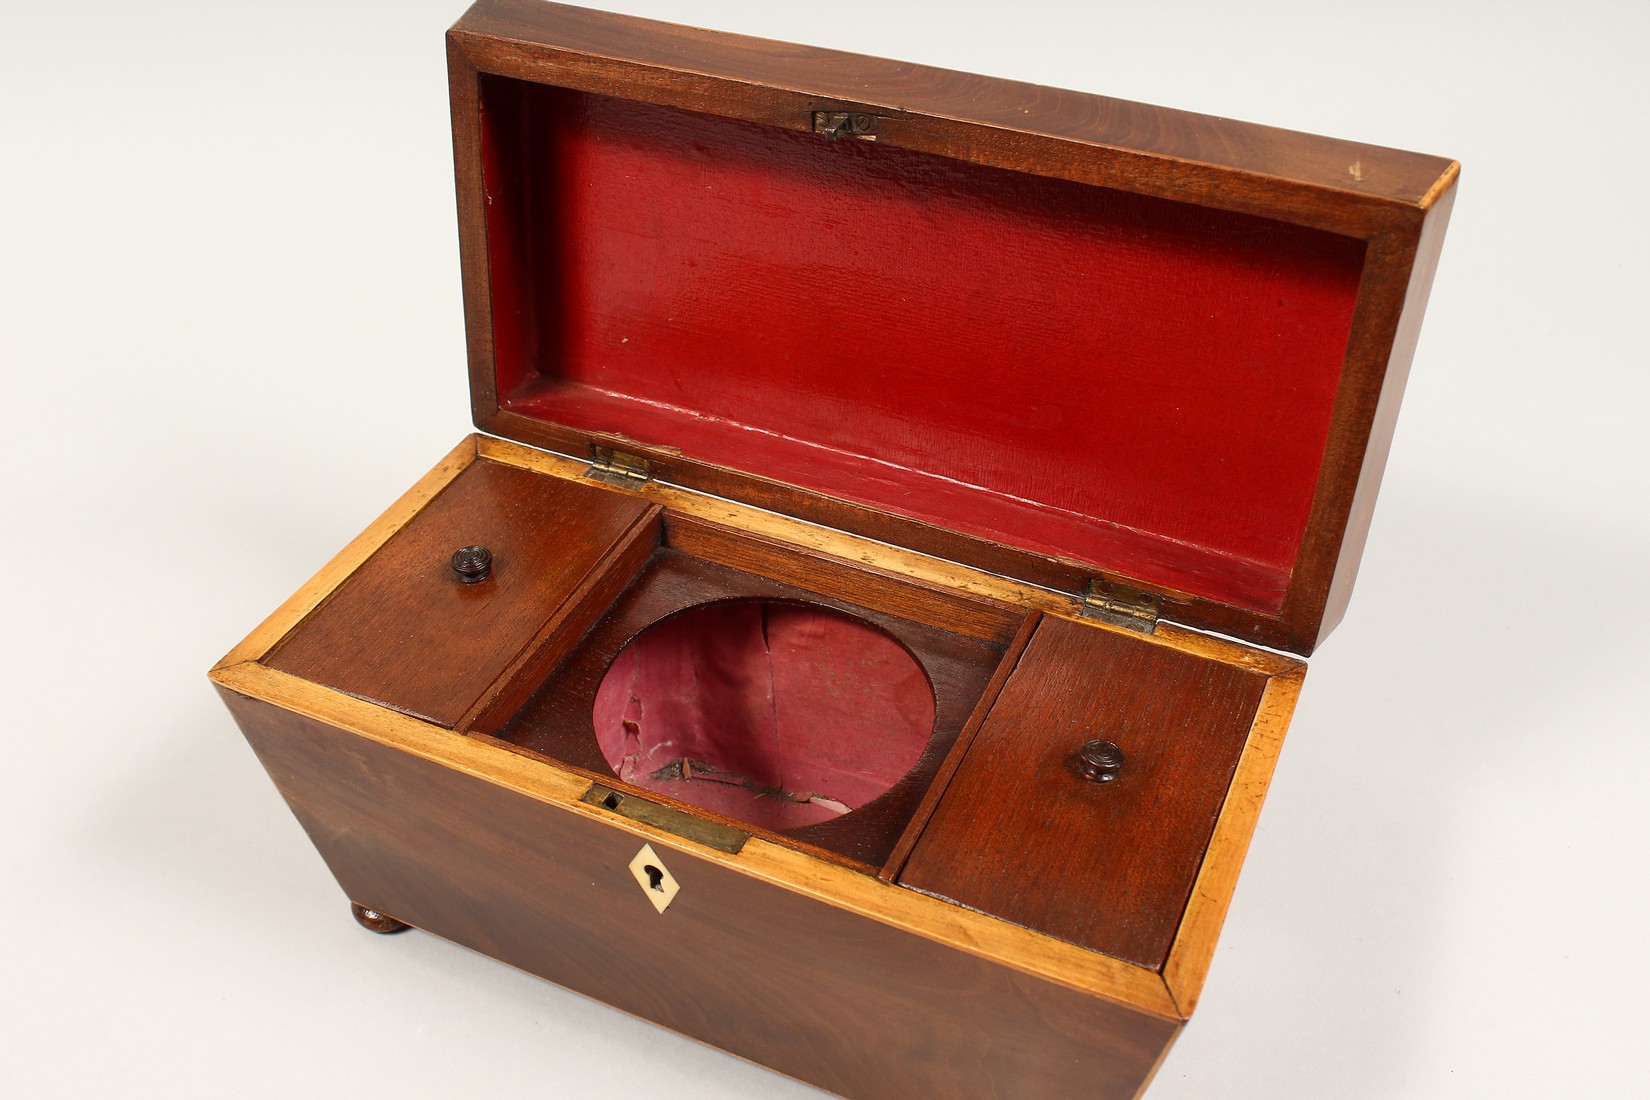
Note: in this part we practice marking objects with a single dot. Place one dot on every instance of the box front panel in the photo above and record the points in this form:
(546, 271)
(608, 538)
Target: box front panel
(792, 982)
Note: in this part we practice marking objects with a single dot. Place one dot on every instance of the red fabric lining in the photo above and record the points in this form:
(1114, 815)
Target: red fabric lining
(786, 715)
(1138, 383)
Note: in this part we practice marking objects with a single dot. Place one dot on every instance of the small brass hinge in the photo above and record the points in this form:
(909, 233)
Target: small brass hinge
(617, 467)
(833, 125)
(1120, 605)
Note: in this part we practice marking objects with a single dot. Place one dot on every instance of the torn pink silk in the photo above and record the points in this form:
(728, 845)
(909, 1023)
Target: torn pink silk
(779, 715)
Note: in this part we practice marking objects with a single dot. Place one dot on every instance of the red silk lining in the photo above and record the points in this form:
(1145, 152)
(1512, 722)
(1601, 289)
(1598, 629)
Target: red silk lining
(1138, 383)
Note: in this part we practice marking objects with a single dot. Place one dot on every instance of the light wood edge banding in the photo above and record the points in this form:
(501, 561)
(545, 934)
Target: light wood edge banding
(1194, 944)
(962, 929)
(315, 590)
(796, 532)
(988, 937)
(886, 557)
(1442, 184)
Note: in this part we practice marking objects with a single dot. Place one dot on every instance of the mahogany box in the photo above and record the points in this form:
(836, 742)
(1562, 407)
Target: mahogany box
(901, 500)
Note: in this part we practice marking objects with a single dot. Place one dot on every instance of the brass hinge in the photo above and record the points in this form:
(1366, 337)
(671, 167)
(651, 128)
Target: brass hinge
(834, 125)
(617, 467)
(1120, 605)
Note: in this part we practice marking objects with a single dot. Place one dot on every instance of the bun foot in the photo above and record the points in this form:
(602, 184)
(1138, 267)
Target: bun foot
(374, 921)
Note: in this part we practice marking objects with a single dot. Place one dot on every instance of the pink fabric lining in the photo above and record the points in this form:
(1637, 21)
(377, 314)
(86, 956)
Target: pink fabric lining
(780, 715)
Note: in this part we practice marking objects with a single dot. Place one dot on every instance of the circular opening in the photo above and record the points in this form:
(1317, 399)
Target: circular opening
(780, 715)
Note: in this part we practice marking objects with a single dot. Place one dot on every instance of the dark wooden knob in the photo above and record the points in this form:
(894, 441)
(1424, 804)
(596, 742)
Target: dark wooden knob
(1100, 761)
(472, 563)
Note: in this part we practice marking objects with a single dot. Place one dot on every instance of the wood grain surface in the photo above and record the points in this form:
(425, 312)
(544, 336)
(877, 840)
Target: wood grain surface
(403, 630)
(1022, 836)
(581, 609)
(1393, 308)
(1340, 184)
(1376, 202)
(321, 586)
(941, 782)
(855, 1006)
(1194, 943)
(1031, 934)
(893, 561)
(484, 758)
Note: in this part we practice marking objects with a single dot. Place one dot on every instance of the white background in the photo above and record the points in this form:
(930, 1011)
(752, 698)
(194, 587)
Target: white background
(231, 335)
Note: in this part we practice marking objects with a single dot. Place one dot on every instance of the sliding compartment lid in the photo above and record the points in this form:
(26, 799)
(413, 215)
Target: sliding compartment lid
(1041, 332)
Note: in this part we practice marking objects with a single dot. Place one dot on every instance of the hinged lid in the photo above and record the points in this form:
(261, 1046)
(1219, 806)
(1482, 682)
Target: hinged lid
(1045, 333)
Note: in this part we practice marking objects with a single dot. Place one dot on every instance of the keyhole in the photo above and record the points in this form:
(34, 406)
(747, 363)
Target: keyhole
(650, 874)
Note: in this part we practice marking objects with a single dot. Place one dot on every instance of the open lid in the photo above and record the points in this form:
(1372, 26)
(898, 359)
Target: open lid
(1058, 336)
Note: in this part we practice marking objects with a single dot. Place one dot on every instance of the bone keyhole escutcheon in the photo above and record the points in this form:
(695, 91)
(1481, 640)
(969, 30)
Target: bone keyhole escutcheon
(656, 881)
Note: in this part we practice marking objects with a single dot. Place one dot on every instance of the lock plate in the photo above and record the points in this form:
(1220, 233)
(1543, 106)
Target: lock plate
(711, 834)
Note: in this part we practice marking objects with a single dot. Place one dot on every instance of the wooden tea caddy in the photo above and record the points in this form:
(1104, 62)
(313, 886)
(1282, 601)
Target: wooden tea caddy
(1039, 392)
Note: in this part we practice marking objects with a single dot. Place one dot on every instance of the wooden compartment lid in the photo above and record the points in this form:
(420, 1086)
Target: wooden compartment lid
(1045, 333)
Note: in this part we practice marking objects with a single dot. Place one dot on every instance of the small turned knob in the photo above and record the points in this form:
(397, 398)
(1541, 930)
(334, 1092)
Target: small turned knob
(472, 563)
(1100, 761)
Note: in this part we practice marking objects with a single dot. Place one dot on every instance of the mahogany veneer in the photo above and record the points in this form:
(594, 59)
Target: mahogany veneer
(401, 633)
(480, 828)
(798, 983)
(1045, 333)
(1025, 389)
(1104, 865)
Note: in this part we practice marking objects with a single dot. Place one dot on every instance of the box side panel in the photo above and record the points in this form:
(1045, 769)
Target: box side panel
(813, 991)
(1382, 418)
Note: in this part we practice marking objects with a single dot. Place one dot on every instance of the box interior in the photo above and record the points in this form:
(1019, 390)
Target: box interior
(777, 713)
(1129, 381)
(875, 722)
(908, 730)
